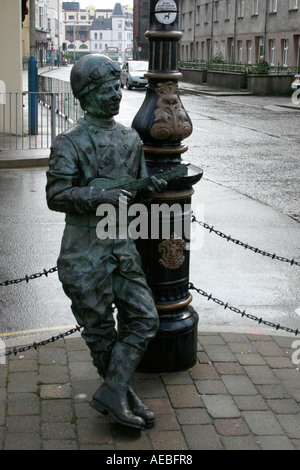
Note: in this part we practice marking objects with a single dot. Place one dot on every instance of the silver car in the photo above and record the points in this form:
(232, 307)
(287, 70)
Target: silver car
(296, 82)
(132, 74)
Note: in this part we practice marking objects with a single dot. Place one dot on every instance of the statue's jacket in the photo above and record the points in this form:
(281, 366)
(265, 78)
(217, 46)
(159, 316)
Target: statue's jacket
(92, 149)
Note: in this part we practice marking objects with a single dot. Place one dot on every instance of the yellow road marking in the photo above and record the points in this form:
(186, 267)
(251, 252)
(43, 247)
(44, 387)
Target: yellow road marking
(38, 330)
(25, 169)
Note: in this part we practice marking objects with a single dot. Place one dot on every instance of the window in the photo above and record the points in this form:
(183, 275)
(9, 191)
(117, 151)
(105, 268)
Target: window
(227, 9)
(272, 52)
(241, 7)
(285, 50)
(145, 10)
(198, 15)
(83, 33)
(216, 49)
(202, 50)
(216, 11)
(95, 36)
(230, 46)
(120, 36)
(96, 45)
(206, 14)
(70, 33)
(249, 52)
(255, 8)
(120, 24)
(41, 17)
(240, 51)
(190, 20)
(192, 51)
(273, 6)
(197, 51)
(293, 4)
(260, 48)
(71, 17)
(222, 50)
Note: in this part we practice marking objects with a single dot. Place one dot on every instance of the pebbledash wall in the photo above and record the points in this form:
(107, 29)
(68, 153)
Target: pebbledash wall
(240, 31)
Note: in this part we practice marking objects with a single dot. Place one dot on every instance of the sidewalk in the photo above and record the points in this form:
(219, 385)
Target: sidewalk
(244, 393)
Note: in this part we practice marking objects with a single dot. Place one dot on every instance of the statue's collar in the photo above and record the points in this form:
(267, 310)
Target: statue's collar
(105, 123)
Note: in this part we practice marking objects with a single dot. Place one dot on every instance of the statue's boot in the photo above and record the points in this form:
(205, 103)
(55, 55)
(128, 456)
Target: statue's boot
(139, 408)
(101, 361)
(112, 395)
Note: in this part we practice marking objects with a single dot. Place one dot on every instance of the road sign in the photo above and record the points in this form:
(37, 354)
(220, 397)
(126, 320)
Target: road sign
(166, 11)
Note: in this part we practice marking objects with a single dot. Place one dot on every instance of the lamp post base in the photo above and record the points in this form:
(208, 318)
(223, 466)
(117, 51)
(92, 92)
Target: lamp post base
(174, 348)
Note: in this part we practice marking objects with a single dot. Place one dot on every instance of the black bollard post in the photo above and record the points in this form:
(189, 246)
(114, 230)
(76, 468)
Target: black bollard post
(162, 124)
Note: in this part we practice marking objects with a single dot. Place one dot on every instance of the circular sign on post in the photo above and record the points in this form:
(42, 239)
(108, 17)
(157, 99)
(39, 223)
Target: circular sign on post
(166, 11)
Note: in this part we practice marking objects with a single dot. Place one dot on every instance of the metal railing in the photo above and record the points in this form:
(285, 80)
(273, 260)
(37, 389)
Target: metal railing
(32, 120)
(239, 68)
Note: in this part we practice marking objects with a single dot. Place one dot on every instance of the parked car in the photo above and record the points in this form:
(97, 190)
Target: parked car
(132, 74)
(296, 82)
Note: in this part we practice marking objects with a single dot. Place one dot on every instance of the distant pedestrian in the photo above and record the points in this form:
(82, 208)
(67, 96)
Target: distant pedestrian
(263, 62)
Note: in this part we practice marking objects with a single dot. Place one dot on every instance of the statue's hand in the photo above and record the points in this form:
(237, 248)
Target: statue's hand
(157, 184)
(115, 197)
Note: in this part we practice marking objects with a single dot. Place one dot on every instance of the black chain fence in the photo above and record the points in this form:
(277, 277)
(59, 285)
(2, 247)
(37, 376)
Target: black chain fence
(211, 229)
(229, 238)
(29, 278)
(35, 345)
(243, 312)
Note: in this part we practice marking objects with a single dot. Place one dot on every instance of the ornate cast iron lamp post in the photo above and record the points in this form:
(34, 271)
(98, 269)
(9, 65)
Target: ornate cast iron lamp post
(163, 123)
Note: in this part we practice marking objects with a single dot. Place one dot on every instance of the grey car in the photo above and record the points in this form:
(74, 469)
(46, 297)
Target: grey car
(296, 82)
(132, 74)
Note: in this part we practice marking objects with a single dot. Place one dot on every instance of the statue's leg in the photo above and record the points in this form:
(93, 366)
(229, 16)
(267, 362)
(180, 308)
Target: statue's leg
(93, 311)
(137, 317)
(112, 396)
(137, 325)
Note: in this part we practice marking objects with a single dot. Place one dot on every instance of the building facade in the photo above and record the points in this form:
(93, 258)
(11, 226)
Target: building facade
(141, 14)
(42, 32)
(114, 30)
(93, 30)
(48, 31)
(76, 27)
(240, 31)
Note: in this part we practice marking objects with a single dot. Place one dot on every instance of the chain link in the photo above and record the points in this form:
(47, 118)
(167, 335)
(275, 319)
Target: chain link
(29, 278)
(242, 312)
(35, 345)
(292, 262)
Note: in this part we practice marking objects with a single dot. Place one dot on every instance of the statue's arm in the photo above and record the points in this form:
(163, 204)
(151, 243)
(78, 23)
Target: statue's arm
(63, 190)
(157, 184)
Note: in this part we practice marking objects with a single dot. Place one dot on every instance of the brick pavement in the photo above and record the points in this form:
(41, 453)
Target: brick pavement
(244, 393)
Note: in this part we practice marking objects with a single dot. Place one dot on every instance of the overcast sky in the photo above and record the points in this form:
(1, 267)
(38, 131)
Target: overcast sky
(104, 3)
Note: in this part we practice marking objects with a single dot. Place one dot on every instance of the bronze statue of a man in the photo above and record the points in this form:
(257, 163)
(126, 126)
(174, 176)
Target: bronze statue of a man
(96, 273)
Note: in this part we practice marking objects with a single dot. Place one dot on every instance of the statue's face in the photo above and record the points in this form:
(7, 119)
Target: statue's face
(104, 101)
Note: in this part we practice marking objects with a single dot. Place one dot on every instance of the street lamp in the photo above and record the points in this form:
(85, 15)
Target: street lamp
(32, 75)
(58, 33)
(162, 124)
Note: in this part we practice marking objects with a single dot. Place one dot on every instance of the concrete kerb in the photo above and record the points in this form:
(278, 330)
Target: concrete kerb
(16, 159)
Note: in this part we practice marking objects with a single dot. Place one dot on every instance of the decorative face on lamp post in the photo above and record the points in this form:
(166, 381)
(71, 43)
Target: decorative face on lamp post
(162, 124)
